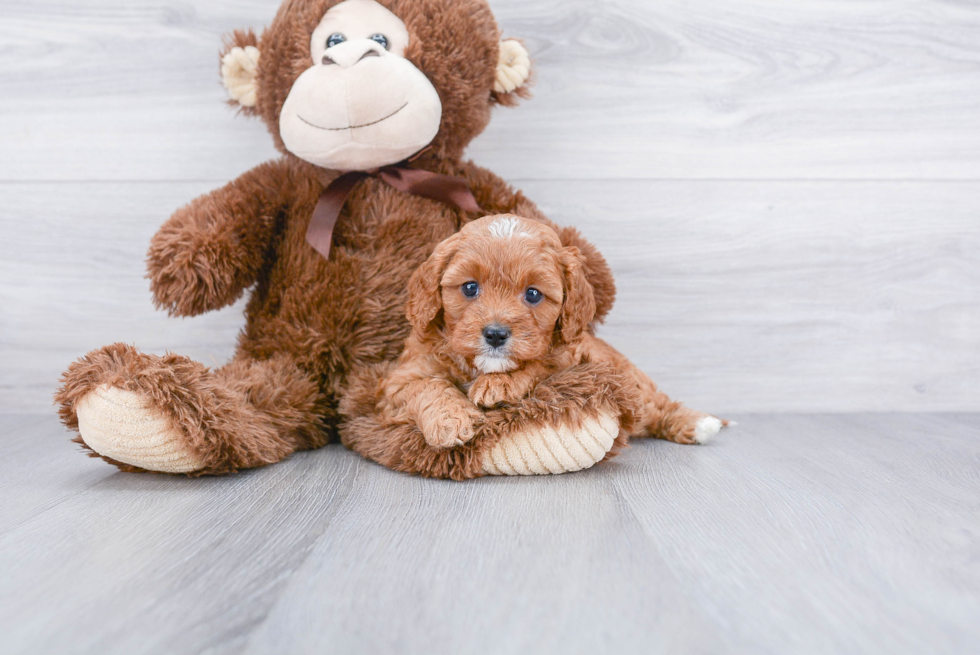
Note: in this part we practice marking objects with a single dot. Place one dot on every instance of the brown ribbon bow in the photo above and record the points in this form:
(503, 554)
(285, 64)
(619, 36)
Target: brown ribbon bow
(447, 189)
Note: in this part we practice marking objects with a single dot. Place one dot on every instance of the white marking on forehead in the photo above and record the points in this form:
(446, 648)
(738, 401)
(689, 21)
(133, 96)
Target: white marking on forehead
(506, 227)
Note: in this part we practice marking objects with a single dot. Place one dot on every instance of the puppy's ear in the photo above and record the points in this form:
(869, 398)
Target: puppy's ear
(240, 68)
(425, 287)
(578, 309)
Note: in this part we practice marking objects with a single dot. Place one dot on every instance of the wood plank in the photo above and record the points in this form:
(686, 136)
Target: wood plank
(735, 296)
(537, 565)
(41, 469)
(144, 563)
(822, 534)
(768, 559)
(793, 533)
(840, 89)
(72, 271)
(799, 297)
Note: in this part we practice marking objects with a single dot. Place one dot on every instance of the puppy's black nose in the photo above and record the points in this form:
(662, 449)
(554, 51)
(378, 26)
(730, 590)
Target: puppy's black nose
(496, 335)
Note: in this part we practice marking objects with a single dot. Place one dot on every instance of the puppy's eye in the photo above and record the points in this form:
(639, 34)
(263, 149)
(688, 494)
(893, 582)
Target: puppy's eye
(335, 39)
(533, 296)
(470, 289)
(381, 40)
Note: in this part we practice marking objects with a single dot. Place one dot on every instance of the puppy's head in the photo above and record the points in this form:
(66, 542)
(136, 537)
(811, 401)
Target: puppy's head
(500, 292)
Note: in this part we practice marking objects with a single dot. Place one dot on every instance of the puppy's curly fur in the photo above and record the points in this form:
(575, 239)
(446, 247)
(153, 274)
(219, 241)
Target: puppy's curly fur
(477, 339)
(499, 311)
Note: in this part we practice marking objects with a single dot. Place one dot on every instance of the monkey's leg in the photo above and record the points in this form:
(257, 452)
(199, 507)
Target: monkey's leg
(174, 415)
(571, 420)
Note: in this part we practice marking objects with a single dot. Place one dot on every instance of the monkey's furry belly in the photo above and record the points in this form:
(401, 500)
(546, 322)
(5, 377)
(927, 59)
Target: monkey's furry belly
(334, 315)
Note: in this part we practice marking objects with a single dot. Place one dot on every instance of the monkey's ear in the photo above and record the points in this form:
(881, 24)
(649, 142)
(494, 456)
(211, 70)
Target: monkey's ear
(513, 73)
(239, 69)
(425, 287)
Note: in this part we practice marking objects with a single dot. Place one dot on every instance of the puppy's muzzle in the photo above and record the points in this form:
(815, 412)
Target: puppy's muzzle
(496, 335)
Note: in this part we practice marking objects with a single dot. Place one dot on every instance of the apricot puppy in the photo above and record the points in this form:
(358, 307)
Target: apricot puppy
(487, 309)
(496, 309)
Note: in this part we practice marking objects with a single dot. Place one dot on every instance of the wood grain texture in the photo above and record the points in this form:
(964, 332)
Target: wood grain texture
(734, 296)
(220, 546)
(793, 533)
(72, 279)
(810, 296)
(670, 89)
(843, 293)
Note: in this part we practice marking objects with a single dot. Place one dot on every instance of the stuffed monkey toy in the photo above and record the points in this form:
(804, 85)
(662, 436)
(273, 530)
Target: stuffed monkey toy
(372, 103)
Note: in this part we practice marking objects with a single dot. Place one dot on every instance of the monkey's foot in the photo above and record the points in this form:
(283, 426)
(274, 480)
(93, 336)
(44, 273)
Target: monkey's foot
(551, 449)
(134, 410)
(126, 427)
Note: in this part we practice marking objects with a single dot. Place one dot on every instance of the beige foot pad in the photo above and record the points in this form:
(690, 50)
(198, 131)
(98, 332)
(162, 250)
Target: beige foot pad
(548, 450)
(123, 426)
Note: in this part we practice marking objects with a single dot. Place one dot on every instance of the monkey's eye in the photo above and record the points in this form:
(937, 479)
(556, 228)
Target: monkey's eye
(381, 40)
(335, 39)
(532, 296)
(470, 289)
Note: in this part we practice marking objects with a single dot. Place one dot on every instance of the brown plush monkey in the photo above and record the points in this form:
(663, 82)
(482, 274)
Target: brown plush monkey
(357, 85)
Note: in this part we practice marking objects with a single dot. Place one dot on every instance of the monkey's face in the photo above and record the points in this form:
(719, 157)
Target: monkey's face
(359, 84)
(362, 104)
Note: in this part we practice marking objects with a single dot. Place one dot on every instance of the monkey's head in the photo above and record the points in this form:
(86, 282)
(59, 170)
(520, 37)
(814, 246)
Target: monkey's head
(358, 84)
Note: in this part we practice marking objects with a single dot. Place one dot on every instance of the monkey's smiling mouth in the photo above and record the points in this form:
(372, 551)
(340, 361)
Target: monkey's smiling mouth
(352, 127)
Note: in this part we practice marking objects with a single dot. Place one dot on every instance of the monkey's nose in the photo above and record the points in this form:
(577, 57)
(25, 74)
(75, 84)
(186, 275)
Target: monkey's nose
(351, 52)
(496, 335)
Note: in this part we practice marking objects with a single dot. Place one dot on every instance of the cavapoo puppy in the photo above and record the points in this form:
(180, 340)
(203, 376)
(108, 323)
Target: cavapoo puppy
(497, 308)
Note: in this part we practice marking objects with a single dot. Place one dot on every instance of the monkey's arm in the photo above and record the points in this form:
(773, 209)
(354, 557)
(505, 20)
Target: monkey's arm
(497, 197)
(210, 251)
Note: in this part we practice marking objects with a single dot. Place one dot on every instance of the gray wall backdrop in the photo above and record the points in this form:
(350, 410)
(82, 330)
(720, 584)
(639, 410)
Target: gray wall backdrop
(788, 192)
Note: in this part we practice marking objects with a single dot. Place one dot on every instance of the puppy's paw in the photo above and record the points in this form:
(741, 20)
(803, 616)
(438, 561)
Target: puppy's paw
(692, 428)
(495, 388)
(449, 426)
(706, 428)
(484, 392)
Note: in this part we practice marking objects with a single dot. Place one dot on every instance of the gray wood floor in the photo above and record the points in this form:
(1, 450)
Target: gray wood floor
(789, 534)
